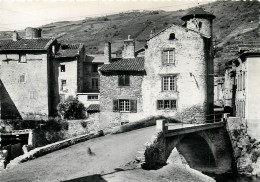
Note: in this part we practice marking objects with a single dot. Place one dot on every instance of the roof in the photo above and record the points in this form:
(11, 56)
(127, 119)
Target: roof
(198, 13)
(68, 50)
(26, 44)
(130, 64)
(93, 107)
(95, 58)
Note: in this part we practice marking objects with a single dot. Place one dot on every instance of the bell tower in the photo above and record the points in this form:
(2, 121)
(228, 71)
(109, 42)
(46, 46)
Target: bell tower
(200, 21)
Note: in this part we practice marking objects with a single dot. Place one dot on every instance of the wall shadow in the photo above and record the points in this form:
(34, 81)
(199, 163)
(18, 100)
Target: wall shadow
(8, 108)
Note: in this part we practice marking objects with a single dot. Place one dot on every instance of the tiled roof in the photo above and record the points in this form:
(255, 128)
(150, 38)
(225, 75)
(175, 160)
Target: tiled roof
(93, 107)
(68, 50)
(26, 44)
(130, 64)
(198, 12)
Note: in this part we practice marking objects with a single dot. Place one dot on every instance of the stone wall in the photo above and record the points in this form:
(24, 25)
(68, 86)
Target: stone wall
(191, 67)
(28, 99)
(246, 149)
(110, 91)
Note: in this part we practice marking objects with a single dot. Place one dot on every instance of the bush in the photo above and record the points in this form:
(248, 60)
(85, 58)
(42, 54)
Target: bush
(72, 108)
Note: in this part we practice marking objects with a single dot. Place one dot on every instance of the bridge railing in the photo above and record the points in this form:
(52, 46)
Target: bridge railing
(163, 124)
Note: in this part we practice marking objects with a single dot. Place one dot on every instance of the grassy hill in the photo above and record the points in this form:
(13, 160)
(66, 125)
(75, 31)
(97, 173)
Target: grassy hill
(236, 23)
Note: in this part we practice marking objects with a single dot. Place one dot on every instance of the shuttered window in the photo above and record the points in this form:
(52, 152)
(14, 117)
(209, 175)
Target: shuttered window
(124, 105)
(123, 80)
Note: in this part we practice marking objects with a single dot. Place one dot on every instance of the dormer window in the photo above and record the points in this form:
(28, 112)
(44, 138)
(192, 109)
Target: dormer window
(172, 36)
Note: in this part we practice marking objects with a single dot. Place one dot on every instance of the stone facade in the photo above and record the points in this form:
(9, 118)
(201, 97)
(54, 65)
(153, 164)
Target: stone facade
(25, 90)
(178, 79)
(194, 87)
(110, 91)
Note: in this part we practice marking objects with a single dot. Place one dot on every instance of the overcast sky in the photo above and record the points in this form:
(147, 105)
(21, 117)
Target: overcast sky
(19, 15)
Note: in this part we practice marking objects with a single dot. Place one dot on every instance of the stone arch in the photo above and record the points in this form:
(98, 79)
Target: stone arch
(196, 151)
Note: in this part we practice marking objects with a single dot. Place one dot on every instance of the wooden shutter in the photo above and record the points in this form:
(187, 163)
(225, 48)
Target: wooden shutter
(115, 105)
(133, 105)
(164, 57)
(120, 80)
(127, 80)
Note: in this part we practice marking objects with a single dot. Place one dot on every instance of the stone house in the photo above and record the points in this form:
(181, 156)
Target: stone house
(68, 70)
(244, 73)
(26, 76)
(173, 79)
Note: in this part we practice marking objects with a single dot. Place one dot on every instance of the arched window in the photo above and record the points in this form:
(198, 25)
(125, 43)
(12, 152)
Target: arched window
(172, 36)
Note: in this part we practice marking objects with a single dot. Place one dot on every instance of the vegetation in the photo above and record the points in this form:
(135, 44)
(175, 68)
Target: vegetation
(72, 108)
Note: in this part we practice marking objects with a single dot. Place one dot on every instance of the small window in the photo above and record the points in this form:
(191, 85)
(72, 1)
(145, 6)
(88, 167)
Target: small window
(94, 67)
(172, 36)
(166, 104)
(22, 78)
(92, 97)
(22, 58)
(169, 83)
(62, 68)
(200, 25)
(63, 84)
(95, 84)
(168, 56)
(123, 80)
(32, 95)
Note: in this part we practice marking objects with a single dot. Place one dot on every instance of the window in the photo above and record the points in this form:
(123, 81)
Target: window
(62, 68)
(63, 84)
(123, 80)
(22, 78)
(172, 36)
(168, 56)
(95, 83)
(166, 104)
(92, 97)
(22, 58)
(200, 25)
(124, 105)
(94, 68)
(169, 83)
(32, 94)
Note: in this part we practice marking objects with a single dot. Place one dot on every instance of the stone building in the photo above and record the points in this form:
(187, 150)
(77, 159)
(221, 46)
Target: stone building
(175, 76)
(68, 70)
(26, 76)
(242, 74)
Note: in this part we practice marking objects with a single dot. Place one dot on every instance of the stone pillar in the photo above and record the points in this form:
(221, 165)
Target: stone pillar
(160, 126)
(30, 138)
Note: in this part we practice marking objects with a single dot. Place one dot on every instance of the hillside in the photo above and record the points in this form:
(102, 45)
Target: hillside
(236, 23)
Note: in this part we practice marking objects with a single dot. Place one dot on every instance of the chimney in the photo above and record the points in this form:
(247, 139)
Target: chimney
(15, 36)
(152, 33)
(129, 48)
(107, 53)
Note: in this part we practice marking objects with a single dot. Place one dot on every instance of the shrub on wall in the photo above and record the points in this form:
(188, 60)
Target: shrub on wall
(72, 108)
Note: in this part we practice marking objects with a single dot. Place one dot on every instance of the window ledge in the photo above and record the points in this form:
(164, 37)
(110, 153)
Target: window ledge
(123, 86)
(169, 64)
(124, 111)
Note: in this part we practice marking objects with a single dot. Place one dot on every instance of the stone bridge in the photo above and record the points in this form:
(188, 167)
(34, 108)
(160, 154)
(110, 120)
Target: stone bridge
(205, 147)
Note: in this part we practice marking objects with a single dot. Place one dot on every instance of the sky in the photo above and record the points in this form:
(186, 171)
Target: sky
(19, 14)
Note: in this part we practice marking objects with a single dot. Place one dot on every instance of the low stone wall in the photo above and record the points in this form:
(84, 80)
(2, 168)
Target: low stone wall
(37, 152)
(246, 149)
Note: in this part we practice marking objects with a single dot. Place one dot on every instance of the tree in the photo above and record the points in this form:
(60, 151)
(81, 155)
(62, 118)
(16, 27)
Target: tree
(72, 108)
